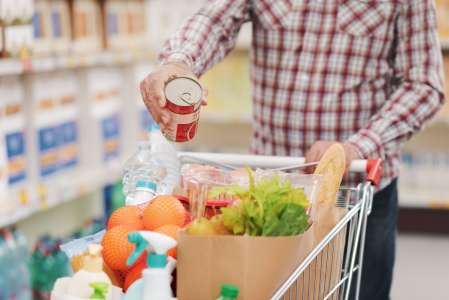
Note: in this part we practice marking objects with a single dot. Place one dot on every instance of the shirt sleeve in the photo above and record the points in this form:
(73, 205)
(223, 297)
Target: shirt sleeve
(207, 36)
(419, 68)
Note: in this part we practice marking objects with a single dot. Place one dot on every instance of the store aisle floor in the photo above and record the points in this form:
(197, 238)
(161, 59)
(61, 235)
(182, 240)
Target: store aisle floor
(422, 268)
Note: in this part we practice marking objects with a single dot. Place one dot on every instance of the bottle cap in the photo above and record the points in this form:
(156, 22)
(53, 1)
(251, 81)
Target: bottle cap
(157, 260)
(155, 127)
(229, 290)
(146, 185)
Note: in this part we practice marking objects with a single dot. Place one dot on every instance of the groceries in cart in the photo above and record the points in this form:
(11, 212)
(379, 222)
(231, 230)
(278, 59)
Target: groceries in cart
(229, 231)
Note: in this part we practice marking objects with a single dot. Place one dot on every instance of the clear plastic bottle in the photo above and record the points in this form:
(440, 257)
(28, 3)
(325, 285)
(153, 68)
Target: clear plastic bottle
(155, 167)
(4, 276)
(167, 155)
(21, 253)
(141, 166)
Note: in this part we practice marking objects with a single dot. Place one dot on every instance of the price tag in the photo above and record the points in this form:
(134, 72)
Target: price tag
(42, 196)
(23, 197)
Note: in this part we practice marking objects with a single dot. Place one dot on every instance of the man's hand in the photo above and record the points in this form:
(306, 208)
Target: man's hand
(152, 89)
(318, 148)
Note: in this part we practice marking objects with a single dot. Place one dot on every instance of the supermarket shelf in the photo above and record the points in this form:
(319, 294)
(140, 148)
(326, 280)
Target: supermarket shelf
(425, 199)
(46, 64)
(79, 186)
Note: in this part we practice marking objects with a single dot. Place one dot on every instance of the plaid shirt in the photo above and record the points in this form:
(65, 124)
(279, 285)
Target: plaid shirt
(367, 72)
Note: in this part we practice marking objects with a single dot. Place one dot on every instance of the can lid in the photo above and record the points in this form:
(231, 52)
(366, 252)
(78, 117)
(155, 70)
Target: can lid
(183, 91)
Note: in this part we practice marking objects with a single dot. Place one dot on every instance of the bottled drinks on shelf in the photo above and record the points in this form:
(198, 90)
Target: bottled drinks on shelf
(14, 273)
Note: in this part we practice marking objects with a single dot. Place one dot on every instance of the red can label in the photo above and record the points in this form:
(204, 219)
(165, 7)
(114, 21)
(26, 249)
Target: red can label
(183, 97)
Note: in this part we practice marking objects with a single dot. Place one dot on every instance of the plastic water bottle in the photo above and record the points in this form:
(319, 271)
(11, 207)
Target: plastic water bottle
(166, 153)
(21, 253)
(153, 170)
(141, 166)
(4, 275)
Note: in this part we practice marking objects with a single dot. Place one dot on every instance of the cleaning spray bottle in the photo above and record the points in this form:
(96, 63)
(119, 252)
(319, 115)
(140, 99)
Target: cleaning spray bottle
(156, 279)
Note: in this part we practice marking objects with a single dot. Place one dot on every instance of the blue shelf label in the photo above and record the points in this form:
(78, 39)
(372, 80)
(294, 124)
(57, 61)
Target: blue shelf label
(110, 127)
(68, 135)
(15, 148)
(48, 150)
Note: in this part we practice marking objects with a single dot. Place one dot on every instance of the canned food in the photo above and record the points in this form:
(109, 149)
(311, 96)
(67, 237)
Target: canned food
(183, 95)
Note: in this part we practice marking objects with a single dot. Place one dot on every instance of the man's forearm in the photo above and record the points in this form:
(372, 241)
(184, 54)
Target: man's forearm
(206, 37)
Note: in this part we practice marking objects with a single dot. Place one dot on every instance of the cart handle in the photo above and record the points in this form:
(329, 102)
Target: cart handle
(372, 167)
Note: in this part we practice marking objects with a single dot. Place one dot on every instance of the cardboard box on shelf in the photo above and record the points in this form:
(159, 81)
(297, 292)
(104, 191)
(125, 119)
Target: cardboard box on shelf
(43, 120)
(13, 138)
(102, 121)
(136, 24)
(60, 26)
(87, 27)
(42, 28)
(116, 26)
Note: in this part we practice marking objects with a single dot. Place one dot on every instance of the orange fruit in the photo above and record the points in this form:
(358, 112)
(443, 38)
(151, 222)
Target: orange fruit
(164, 210)
(117, 248)
(134, 274)
(171, 231)
(115, 276)
(127, 215)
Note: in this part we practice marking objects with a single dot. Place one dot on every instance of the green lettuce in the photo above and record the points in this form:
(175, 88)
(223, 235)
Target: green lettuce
(270, 207)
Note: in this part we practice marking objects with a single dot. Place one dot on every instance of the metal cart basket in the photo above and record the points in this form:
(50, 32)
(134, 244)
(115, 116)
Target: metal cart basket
(333, 269)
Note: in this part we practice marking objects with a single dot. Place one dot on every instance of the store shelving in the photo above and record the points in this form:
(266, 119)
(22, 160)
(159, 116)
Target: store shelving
(424, 198)
(84, 183)
(52, 63)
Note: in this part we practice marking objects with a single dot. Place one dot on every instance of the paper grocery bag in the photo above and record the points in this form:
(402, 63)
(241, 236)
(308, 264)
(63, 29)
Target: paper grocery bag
(256, 265)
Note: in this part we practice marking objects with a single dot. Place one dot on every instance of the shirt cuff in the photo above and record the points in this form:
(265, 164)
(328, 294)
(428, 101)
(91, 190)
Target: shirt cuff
(176, 57)
(367, 143)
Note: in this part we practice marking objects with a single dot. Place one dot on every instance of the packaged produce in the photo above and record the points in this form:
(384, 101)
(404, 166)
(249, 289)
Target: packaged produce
(270, 207)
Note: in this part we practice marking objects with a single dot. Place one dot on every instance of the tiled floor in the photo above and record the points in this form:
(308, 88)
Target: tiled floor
(422, 268)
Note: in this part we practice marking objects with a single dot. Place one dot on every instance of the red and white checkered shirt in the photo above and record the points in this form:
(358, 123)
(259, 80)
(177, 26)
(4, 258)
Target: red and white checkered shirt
(368, 72)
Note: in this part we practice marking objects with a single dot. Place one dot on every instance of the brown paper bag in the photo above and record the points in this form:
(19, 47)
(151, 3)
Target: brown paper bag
(257, 265)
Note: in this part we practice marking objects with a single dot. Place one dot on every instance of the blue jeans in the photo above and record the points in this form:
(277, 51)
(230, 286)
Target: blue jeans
(378, 261)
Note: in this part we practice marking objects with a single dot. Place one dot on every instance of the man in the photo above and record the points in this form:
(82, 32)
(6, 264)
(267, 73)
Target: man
(365, 73)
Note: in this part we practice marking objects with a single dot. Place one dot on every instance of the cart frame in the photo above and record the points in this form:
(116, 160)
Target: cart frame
(352, 227)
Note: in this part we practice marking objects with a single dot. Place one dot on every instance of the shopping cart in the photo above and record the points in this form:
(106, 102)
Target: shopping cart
(333, 269)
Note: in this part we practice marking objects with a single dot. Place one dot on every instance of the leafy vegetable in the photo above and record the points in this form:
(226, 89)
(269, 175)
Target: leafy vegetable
(270, 207)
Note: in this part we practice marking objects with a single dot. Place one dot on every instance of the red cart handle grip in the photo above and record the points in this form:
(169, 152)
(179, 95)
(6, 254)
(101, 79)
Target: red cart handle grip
(374, 170)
